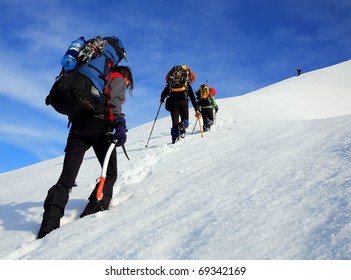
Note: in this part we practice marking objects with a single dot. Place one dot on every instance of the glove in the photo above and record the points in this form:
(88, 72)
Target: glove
(119, 125)
(216, 109)
(197, 114)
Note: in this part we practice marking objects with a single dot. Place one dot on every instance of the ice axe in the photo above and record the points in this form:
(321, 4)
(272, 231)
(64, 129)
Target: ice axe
(100, 188)
(198, 121)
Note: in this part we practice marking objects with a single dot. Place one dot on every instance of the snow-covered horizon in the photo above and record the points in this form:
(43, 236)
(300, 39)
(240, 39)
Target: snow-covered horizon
(270, 181)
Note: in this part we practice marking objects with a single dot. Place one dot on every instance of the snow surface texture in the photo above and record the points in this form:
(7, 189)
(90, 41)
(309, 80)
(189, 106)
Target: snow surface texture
(271, 180)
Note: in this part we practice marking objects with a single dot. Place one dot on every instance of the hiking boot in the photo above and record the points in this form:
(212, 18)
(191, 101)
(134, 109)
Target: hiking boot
(51, 220)
(174, 140)
(175, 134)
(182, 129)
(93, 207)
(207, 125)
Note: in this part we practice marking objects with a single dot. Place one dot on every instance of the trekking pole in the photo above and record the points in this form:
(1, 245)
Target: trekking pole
(153, 125)
(100, 188)
(194, 128)
(198, 118)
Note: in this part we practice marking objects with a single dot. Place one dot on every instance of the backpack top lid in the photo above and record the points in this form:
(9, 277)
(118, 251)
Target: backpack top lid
(82, 51)
(117, 44)
(191, 74)
(179, 77)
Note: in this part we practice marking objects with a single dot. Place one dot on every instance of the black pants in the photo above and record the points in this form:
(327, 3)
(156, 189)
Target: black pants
(207, 115)
(85, 133)
(179, 109)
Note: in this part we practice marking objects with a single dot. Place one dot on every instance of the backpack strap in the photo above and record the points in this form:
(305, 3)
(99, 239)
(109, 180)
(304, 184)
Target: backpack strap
(107, 90)
(108, 65)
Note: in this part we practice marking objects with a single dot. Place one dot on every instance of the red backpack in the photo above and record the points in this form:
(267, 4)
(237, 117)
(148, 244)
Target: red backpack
(212, 92)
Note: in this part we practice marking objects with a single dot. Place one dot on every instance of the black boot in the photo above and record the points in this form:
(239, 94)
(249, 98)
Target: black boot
(51, 220)
(207, 125)
(54, 206)
(92, 207)
(182, 129)
(175, 134)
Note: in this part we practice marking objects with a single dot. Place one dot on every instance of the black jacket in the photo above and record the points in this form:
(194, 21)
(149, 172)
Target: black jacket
(186, 94)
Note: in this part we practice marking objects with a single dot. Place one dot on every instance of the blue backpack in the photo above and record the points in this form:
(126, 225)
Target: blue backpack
(81, 57)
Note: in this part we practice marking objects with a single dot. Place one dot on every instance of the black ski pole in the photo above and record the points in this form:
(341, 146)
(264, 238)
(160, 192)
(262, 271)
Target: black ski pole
(153, 125)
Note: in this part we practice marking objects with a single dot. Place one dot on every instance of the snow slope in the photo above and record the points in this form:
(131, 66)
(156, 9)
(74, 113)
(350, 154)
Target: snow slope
(271, 180)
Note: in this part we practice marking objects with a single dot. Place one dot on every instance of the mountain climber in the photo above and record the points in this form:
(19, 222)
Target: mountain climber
(93, 130)
(178, 91)
(206, 101)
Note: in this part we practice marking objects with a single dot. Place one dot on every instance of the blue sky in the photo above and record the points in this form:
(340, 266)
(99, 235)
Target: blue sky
(238, 46)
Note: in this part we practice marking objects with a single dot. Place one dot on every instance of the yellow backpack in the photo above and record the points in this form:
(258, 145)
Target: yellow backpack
(203, 92)
(179, 77)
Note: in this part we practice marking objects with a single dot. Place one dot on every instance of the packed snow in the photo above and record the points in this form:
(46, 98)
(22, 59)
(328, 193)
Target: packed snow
(270, 181)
